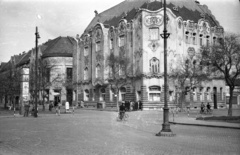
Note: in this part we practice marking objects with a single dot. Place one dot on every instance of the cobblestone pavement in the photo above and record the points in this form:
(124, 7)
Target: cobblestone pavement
(97, 132)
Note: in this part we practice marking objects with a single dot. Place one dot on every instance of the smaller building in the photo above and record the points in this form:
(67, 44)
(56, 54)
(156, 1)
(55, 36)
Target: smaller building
(55, 70)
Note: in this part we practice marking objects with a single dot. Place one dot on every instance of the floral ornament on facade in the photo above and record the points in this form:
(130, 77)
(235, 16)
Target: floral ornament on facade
(153, 45)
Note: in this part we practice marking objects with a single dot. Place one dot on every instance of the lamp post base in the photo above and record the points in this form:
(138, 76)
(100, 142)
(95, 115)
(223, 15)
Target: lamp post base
(166, 134)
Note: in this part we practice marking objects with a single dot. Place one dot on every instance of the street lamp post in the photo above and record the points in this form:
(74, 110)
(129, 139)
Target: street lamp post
(166, 131)
(36, 73)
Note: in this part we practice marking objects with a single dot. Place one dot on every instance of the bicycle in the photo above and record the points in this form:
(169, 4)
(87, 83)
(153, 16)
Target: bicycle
(122, 117)
(206, 111)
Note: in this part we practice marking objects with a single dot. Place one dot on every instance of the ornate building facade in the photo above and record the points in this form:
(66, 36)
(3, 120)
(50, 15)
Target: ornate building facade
(133, 29)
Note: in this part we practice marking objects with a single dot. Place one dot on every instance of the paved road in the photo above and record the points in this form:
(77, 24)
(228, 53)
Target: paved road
(97, 132)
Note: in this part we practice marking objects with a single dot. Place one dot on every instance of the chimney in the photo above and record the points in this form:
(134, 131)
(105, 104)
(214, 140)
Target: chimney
(96, 13)
(197, 2)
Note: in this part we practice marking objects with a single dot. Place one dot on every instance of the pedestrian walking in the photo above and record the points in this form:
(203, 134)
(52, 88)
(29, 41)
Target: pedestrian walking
(58, 108)
(50, 106)
(202, 108)
(73, 107)
(82, 104)
(26, 108)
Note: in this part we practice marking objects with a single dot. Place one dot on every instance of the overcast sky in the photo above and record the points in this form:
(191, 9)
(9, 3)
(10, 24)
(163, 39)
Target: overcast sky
(18, 19)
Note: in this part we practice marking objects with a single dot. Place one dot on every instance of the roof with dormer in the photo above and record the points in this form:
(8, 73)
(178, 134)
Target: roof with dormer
(187, 9)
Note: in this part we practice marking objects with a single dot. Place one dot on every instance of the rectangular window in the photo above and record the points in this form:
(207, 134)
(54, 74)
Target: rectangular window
(153, 33)
(200, 41)
(186, 39)
(69, 73)
(207, 42)
(121, 41)
(85, 74)
(48, 71)
(98, 46)
(194, 40)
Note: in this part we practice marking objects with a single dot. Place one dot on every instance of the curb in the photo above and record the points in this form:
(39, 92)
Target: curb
(205, 125)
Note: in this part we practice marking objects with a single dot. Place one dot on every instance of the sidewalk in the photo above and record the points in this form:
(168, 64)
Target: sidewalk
(184, 119)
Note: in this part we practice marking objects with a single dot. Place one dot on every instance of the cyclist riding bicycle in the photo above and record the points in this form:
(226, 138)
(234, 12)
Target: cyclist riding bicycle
(208, 107)
(122, 110)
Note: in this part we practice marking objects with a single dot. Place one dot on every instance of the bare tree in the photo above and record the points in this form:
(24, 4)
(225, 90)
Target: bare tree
(224, 59)
(120, 73)
(187, 76)
(10, 85)
(46, 68)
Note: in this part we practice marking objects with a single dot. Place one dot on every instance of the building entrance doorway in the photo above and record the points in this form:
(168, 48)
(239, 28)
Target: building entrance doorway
(69, 96)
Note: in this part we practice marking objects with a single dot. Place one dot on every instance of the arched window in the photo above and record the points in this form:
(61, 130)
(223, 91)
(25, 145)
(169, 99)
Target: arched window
(154, 65)
(98, 71)
(102, 94)
(85, 51)
(122, 94)
(179, 24)
(154, 93)
(85, 76)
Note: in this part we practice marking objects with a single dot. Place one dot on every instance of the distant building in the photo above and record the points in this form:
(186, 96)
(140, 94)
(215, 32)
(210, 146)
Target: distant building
(54, 74)
(56, 67)
(135, 27)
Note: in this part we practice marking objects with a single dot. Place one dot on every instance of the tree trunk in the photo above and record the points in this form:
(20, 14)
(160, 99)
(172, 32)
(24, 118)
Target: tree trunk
(182, 100)
(43, 104)
(117, 101)
(230, 102)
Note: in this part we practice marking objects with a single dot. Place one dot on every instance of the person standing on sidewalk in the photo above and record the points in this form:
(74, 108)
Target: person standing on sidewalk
(188, 109)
